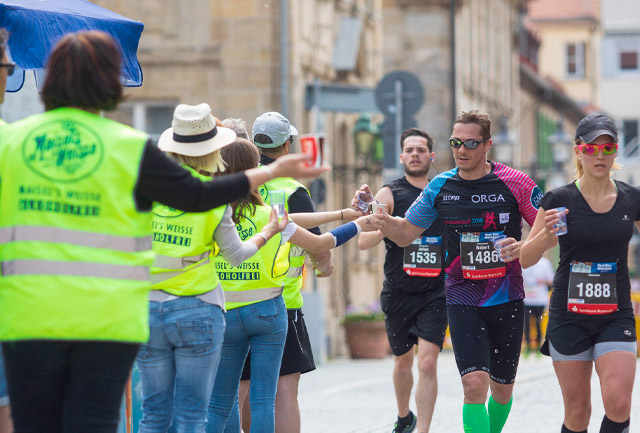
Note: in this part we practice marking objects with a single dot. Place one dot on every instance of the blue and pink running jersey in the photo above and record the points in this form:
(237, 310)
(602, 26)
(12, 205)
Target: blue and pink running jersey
(473, 213)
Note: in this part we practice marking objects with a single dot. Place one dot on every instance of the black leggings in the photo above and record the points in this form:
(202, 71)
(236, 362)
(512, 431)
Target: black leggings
(67, 387)
(537, 312)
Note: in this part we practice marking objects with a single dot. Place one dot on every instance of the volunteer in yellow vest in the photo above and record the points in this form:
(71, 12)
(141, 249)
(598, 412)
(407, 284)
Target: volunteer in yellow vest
(179, 362)
(273, 134)
(75, 240)
(6, 69)
(256, 314)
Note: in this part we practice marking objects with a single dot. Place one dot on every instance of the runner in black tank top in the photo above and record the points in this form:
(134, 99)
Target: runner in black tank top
(396, 277)
(591, 319)
(412, 296)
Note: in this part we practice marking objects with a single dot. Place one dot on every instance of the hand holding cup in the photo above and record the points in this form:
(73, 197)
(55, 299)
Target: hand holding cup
(370, 223)
(555, 221)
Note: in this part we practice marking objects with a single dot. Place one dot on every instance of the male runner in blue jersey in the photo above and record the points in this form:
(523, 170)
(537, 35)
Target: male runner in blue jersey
(478, 201)
(412, 296)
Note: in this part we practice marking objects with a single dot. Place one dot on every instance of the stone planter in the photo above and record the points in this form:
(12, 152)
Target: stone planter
(367, 339)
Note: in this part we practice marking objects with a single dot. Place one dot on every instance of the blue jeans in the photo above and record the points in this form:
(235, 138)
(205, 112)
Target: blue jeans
(178, 365)
(263, 327)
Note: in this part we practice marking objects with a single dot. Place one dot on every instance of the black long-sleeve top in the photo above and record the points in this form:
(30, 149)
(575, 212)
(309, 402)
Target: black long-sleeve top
(163, 180)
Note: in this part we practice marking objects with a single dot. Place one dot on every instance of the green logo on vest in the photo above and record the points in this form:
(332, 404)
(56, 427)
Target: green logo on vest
(264, 193)
(63, 151)
(164, 211)
(247, 229)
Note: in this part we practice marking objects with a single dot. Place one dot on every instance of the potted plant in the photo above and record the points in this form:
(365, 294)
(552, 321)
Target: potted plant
(365, 332)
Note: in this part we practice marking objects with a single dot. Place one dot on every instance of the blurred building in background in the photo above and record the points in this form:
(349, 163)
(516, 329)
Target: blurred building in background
(319, 61)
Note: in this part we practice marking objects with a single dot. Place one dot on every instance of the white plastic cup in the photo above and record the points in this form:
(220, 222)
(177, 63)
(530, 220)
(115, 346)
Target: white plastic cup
(378, 208)
(561, 225)
(497, 244)
(277, 198)
(364, 200)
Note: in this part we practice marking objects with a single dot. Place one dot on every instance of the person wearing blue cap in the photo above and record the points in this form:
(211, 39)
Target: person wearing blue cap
(591, 319)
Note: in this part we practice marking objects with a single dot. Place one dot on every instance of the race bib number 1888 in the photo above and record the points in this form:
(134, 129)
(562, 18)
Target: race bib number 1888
(478, 258)
(592, 288)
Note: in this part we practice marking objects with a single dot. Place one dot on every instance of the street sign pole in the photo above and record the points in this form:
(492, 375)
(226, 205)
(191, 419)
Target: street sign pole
(399, 95)
(398, 122)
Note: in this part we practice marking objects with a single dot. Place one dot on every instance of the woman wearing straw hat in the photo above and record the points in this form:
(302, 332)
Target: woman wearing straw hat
(256, 314)
(75, 240)
(178, 364)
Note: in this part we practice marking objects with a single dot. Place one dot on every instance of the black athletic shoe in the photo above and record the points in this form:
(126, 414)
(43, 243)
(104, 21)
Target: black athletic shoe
(405, 427)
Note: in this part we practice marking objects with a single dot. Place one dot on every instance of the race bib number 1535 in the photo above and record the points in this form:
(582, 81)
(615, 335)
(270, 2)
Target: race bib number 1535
(423, 258)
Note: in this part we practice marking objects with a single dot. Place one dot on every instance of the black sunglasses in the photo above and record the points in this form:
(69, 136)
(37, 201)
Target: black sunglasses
(469, 144)
(10, 67)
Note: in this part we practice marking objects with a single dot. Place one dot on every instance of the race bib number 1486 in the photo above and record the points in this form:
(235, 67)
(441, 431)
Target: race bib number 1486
(478, 258)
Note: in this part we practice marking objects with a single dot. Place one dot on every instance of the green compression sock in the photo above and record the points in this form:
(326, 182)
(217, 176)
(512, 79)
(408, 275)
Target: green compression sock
(498, 414)
(475, 418)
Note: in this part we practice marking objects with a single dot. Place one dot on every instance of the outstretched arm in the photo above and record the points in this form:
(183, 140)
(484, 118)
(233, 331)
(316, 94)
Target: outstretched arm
(336, 237)
(400, 230)
(309, 220)
(293, 165)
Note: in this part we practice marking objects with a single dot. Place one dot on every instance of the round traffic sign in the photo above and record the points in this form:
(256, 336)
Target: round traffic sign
(412, 93)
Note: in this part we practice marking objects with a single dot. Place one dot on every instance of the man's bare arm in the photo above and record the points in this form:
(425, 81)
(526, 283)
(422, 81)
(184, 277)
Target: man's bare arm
(400, 230)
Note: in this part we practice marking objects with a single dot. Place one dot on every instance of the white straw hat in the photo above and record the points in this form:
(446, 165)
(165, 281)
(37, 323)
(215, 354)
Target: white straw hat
(194, 132)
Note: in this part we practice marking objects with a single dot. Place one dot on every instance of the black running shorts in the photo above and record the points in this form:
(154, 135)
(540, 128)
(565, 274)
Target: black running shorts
(297, 356)
(409, 316)
(487, 339)
(572, 335)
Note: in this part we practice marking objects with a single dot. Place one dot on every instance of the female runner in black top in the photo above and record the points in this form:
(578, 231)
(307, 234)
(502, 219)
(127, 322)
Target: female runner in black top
(590, 318)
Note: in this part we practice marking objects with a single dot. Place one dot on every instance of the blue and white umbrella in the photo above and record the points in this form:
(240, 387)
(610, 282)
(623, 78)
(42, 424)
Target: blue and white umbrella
(35, 26)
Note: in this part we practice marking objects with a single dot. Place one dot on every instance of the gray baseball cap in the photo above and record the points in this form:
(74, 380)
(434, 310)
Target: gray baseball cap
(275, 126)
(593, 126)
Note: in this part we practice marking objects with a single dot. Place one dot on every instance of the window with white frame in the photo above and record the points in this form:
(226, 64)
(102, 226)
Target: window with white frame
(575, 62)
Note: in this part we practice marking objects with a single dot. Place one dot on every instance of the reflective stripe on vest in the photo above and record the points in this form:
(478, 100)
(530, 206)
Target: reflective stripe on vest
(253, 295)
(163, 276)
(78, 269)
(75, 237)
(295, 272)
(169, 262)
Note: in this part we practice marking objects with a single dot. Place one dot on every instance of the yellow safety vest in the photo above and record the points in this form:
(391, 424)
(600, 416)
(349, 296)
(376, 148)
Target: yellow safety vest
(183, 243)
(75, 251)
(261, 276)
(294, 280)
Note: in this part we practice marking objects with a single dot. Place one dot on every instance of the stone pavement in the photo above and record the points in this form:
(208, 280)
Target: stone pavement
(356, 396)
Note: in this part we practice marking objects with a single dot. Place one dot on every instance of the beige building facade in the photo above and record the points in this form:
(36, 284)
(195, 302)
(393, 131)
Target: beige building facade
(571, 34)
(246, 57)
